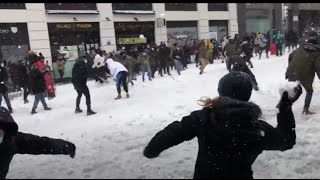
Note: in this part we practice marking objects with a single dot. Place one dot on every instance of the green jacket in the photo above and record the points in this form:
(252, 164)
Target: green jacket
(278, 38)
(303, 66)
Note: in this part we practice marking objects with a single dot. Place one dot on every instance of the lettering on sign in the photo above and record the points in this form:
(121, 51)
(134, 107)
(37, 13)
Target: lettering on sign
(4, 31)
(132, 41)
(74, 26)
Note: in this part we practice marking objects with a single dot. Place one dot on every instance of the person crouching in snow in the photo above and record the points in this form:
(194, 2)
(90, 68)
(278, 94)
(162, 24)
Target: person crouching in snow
(13, 142)
(238, 63)
(120, 74)
(229, 131)
(38, 87)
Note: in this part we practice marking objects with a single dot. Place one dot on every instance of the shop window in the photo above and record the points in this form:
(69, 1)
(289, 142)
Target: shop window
(182, 32)
(218, 29)
(70, 6)
(68, 41)
(12, 6)
(217, 6)
(132, 6)
(127, 34)
(181, 6)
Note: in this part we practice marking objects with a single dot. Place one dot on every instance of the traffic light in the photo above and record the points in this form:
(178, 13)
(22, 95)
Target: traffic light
(285, 11)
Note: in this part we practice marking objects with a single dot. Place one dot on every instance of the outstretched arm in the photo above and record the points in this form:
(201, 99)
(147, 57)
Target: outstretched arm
(283, 137)
(32, 144)
(173, 134)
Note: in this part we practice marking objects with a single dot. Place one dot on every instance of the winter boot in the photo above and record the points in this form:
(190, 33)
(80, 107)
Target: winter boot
(307, 112)
(118, 97)
(127, 96)
(47, 108)
(26, 101)
(78, 110)
(90, 112)
(33, 111)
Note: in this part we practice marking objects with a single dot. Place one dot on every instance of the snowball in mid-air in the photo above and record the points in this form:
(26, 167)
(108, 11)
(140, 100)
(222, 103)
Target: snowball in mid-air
(289, 87)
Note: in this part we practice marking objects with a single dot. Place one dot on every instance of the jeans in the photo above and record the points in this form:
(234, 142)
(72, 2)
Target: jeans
(25, 92)
(39, 97)
(178, 66)
(121, 78)
(279, 49)
(196, 59)
(6, 98)
(61, 72)
(86, 93)
(145, 69)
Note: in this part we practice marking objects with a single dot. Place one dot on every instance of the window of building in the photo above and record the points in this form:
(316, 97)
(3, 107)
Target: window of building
(181, 6)
(12, 6)
(70, 6)
(217, 6)
(132, 6)
(218, 29)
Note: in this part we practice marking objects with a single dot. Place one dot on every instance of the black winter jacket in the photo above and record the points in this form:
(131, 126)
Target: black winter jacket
(79, 74)
(3, 79)
(233, 60)
(22, 143)
(230, 137)
(38, 83)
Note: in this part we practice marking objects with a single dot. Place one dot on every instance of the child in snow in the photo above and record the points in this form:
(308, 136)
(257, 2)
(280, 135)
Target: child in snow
(120, 74)
(13, 142)
(230, 134)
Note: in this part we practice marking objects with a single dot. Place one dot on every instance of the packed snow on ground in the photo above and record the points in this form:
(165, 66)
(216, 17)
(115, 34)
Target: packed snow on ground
(110, 143)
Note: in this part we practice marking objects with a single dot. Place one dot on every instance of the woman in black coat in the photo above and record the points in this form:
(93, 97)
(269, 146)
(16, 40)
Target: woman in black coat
(13, 142)
(230, 134)
(3, 86)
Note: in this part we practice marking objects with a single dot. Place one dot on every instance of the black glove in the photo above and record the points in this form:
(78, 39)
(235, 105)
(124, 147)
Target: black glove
(298, 92)
(72, 150)
(149, 155)
(285, 102)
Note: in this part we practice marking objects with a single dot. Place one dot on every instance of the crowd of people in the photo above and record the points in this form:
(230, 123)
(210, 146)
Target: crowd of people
(228, 128)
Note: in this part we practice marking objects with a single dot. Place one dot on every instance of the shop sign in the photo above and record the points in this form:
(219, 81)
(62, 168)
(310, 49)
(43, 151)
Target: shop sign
(73, 26)
(132, 41)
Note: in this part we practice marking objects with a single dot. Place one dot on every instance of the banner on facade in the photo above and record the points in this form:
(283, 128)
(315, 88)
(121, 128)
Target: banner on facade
(213, 35)
(132, 41)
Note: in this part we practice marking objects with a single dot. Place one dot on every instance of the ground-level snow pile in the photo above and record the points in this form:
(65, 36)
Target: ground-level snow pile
(110, 143)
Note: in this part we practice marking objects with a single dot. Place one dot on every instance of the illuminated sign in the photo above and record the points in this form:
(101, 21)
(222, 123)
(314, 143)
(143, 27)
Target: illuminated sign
(73, 26)
(132, 41)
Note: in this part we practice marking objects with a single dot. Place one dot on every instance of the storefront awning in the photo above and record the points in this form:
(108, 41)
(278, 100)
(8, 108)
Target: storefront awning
(132, 12)
(72, 12)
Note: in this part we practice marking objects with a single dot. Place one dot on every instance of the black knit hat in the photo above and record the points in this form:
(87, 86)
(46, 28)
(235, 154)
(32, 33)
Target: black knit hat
(236, 85)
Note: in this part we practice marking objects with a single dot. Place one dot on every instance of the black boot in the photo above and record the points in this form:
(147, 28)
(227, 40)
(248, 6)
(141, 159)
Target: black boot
(90, 112)
(78, 110)
(33, 111)
(47, 108)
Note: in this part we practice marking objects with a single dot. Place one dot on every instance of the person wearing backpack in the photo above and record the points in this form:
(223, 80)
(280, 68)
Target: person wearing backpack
(229, 131)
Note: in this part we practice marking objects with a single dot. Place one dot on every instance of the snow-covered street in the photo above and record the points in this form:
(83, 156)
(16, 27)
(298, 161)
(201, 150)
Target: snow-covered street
(110, 143)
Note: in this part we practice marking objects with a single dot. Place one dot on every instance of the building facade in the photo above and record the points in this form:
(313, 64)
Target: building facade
(75, 28)
(262, 17)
